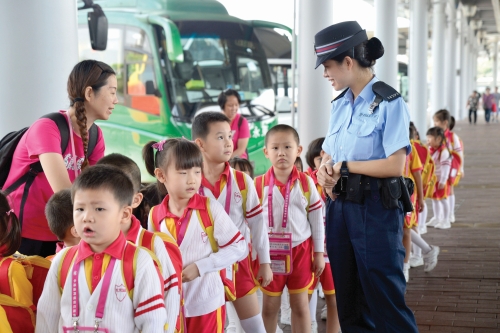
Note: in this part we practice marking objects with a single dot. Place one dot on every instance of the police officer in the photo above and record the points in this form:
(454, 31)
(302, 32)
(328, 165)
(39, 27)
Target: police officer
(366, 148)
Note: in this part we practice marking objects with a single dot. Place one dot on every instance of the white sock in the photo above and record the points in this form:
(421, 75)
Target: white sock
(420, 242)
(451, 199)
(253, 324)
(232, 316)
(437, 208)
(446, 209)
(313, 304)
(422, 217)
(416, 250)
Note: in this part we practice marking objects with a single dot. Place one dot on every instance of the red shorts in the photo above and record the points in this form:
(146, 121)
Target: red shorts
(326, 279)
(302, 274)
(411, 219)
(212, 322)
(245, 281)
(440, 194)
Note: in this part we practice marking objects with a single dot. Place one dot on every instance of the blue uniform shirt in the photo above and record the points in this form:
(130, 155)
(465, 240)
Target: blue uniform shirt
(356, 135)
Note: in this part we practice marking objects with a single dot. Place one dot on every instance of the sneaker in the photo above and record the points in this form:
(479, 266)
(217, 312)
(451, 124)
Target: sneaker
(443, 224)
(452, 218)
(431, 258)
(416, 261)
(230, 329)
(406, 271)
(432, 222)
(278, 329)
(314, 327)
(286, 317)
(324, 313)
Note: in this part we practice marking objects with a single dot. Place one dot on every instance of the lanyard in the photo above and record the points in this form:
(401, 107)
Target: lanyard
(182, 230)
(227, 206)
(73, 158)
(270, 201)
(99, 312)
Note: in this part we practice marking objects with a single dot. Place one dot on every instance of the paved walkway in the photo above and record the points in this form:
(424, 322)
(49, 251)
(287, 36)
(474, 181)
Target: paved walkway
(463, 293)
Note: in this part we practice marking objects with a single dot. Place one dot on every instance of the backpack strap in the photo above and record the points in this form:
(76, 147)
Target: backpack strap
(207, 224)
(129, 263)
(155, 218)
(5, 288)
(259, 186)
(147, 240)
(65, 265)
(304, 186)
(242, 186)
(93, 137)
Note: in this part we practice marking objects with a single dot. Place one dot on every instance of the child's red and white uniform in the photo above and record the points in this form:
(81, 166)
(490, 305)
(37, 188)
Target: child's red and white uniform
(412, 165)
(442, 164)
(326, 278)
(138, 235)
(455, 147)
(304, 223)
(143, 311)
(204, 296)
(245, 211)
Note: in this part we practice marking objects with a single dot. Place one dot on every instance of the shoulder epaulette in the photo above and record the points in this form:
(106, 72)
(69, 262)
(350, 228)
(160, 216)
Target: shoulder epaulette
(385, 91)
(340, 96)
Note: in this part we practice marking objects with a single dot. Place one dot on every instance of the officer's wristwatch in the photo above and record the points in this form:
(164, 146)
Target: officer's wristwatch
(344, 171)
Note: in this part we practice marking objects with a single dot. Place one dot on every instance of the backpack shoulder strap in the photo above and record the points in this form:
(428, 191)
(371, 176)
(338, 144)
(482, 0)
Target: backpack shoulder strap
(240, 121)
(62, 124)
(5, 287)
(259, 186)
(147, 240)
(207, 224)
(129, 263)
(242, 186)
(65, 265)
(93, 137)
(304, 186)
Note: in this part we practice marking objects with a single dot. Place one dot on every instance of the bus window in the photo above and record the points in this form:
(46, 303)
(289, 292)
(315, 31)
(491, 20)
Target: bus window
(141, 83)
(113, 55)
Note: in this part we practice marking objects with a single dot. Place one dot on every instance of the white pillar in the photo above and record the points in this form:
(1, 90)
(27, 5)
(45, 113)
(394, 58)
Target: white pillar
(315, 92)
(438, 56)
(450, 61)
(417, 65)
(386, 29)
(464, 47)
(40, 47)
(495, 64)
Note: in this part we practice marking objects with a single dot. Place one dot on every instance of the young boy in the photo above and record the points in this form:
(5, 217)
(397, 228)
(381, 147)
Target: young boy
(212, 133)
(59, 213)
(293, 214)
(136, 234)
(104, 283)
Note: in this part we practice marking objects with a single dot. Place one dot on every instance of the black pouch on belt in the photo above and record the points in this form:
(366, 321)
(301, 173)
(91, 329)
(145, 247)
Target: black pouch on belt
(355, 191)
(391, 192)
(407, 187)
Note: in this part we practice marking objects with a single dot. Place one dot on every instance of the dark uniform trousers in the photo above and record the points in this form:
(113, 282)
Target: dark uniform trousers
(364, 245)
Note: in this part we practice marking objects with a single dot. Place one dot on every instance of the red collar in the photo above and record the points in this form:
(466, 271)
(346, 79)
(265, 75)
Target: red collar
(295, 175)
(309, 171)
(115, 249)
(440, 149)
(60, 246)
(135, 228)
(197, 202)
(206, 183)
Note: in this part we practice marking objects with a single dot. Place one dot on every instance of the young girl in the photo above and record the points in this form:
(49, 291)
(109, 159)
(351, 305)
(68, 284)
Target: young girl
(189, 219)
(16, 292)
(442, 161)
(243, 165)
(442, 119)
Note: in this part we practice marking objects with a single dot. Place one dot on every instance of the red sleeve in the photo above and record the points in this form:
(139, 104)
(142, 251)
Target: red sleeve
(43, 137)
(98, 152)
(244, 131)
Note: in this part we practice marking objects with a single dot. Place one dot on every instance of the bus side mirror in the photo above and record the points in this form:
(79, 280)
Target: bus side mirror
(98, 28)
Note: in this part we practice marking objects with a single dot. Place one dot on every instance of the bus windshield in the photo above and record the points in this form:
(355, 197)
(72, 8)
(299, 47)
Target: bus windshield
(219, 56)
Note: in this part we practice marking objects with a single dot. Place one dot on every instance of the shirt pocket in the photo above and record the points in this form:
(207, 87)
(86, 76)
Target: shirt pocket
(332, 136)
(362, 139)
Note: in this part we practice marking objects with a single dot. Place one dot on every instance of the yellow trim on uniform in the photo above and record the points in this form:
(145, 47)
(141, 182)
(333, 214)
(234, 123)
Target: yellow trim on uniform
(271, 293)
(329, 292)
(220, 327)
(298, 291)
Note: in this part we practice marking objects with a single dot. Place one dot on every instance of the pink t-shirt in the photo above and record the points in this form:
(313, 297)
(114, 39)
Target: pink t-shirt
(43, 137)
(240, 133)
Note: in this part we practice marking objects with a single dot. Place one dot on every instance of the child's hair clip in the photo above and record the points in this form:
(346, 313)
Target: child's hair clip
(159, 145)
(10, 211)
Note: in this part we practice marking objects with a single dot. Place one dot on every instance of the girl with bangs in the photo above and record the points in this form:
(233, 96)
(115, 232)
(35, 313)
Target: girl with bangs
(188, 217)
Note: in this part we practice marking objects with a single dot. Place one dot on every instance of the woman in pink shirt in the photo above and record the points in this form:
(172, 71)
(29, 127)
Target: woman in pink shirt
(92, 92)
(229, 101)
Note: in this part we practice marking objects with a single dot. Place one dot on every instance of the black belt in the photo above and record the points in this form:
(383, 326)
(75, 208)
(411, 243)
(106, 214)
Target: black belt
(343, 184)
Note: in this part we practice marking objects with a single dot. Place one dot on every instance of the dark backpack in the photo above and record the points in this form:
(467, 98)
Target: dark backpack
(9, 143)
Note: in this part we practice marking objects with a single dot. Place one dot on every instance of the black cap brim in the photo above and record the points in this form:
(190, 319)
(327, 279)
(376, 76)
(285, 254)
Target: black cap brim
(355, 40)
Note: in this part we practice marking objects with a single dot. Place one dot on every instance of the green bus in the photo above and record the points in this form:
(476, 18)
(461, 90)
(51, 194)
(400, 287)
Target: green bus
(172, 59)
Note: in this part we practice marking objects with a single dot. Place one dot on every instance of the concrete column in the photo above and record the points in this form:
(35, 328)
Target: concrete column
(386, 29)
(315, 92)
(438, 56)
(450, 61)
(39, 48)
(464, 89)
(495, 64)
(417, 65)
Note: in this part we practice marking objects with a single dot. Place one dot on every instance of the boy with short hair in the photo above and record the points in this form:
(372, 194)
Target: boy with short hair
(212, 133)
(154, 242)
(293, 214)
(59, 213)
(104, 282)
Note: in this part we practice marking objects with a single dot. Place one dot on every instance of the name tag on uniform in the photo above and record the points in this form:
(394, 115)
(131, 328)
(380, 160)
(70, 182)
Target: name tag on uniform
(280, 245)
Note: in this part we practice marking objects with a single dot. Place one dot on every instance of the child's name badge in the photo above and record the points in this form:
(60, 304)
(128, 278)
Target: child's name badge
(280, 245)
